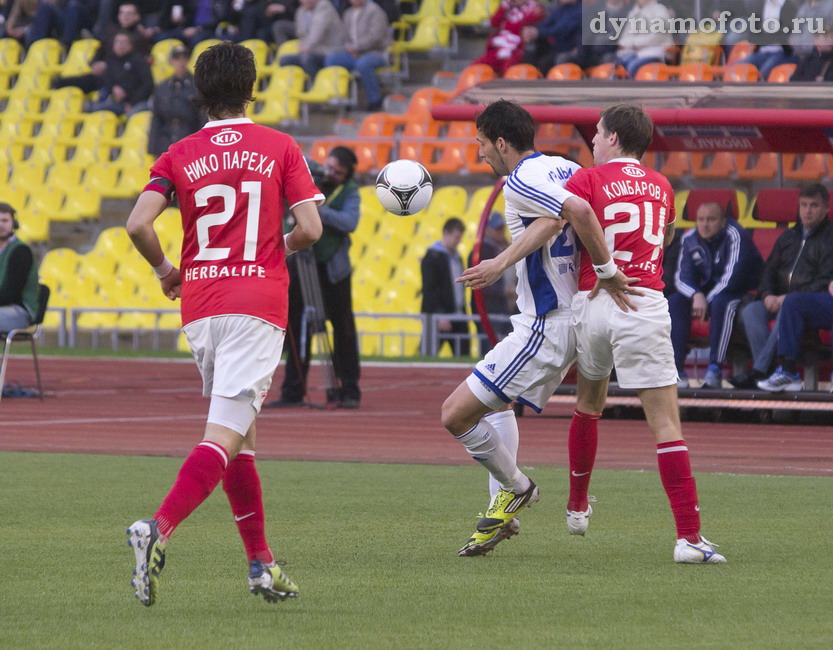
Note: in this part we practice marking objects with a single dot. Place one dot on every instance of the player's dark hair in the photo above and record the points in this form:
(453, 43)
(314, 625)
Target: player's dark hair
(633, 126)
(454, 224)
(814, 190)
(510, 121)
(225, 77)
(346, 157)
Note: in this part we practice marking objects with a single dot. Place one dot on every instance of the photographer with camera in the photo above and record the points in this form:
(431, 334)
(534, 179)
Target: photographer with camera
(340, 217)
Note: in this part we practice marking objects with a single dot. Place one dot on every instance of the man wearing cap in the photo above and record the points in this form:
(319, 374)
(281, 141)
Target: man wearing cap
(174, 113)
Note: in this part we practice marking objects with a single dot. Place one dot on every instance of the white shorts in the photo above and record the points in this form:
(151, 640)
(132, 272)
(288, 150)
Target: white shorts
(236, 355)
(528, 365)
(638, 343)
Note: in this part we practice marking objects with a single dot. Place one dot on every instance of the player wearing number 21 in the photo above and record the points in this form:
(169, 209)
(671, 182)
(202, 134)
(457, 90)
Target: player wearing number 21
(635, 207)
(231, 179)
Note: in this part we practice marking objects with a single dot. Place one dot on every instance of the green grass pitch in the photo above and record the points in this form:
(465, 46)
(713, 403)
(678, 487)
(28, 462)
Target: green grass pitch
(373, 550)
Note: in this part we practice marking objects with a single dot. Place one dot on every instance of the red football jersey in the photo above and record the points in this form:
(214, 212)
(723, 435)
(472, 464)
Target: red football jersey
(633, 205)
(231, 179)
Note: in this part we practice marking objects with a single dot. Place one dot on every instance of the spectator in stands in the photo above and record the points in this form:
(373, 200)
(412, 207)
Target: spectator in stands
(368, 38)
(801, 262)
(498, 298)
(718, 264)
(127, 82)
(601, 48)
(192, 21)
(803, 37)
(320, 31)
(340, 217)
(174, 113)
(268, 20)
(640, 47)
(771, 48)
(21, 18)
(18, 275)
(441, 266)
(505, 46)
(106, 15)
(555, 39)
(818, 65)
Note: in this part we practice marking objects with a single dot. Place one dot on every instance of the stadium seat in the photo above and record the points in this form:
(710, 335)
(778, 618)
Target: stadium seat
(80, 54)
(199, 48)
(716, 165)
(654, 72)
(432, 35)
(419, 106)
(741, 73)
(565, 72)
(287, 47)
(676, 164)
(756, 166)
(161, 68)
(695, 72)
(332, 86)
(43, 55)
(278, 101)
(474, 13)
(764, 239)
(781, 73)
(522, 71)
(419, 140)
(778, 206)
(473, 75)
(429, 9)
(740, 51)
(701, 47)
(804, 167)
(733, 202)
(607, 71)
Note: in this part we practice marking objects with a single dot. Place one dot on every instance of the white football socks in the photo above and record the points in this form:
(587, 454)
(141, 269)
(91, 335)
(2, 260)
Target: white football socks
(506, 425)
(484, 445)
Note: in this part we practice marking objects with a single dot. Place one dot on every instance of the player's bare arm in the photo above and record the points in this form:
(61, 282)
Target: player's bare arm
(307, 228)
(140, 228)
(579, 213)
(536, 235)
(669, 234)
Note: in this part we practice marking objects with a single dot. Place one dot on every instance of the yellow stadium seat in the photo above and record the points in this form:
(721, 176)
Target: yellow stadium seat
(430, 8)
(199, 48)
(261, 51)
(80, 54)
(287, 47)
(432, 34)
(161, 69)
(113, 242)
(278, 100)
(332, 86)
(64, 176)
(34, 227)
(474, 13)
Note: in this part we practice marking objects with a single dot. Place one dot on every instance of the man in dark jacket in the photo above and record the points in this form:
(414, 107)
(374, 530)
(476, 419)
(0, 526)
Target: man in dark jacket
(795, 291)
(772, 48)
(18, 276)
(818, 65)
(800, 261)
(555, 39)
(441, 265)
(718, 264)
(128, 82)
(174, 112)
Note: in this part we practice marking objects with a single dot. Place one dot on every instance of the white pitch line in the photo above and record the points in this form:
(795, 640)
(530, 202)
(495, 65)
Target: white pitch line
(158, 418)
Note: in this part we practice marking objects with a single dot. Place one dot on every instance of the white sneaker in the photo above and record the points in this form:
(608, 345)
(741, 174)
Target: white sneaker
(578, 520)
(712, 380)
(781, 381)
(702, 553)
(683, 382)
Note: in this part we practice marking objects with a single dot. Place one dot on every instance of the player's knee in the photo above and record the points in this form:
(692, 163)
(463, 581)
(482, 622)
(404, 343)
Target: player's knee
(235, 413)
(451, 417)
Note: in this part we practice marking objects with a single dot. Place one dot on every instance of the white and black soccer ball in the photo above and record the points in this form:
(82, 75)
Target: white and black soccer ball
(404, 187)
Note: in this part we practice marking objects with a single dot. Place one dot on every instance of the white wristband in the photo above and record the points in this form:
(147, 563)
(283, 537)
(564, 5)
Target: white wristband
(289, 250)
(164, 269)
(606, 270)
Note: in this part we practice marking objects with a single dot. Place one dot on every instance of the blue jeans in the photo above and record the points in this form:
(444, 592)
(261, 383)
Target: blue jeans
(13, 317)
(632, 62)
(366, 66)
(311, 63)
(763, 342)
(766, 61)
(798, 312)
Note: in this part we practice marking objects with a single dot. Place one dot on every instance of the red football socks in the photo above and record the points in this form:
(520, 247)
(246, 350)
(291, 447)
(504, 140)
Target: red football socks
(679, 484)
(582, 443)
(241, 483)
(197, 478)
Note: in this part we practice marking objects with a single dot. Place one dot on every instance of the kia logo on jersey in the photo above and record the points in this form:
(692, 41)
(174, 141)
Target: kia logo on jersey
(634, 172)
(226, 138)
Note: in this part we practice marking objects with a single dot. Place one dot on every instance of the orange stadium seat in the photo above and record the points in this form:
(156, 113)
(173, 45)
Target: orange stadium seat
(522, 71)
(717, 165)
(741, 73)
(564, 72)
(693, 72)
(472, 75)
(676, 164)
(756, 166)
(419, 105)
(654, 72)
(740, 51)
(781, 73)
(607, 71)
(804, 167)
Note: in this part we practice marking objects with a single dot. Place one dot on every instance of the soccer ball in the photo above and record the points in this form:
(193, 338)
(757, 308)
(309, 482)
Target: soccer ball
(404, 187)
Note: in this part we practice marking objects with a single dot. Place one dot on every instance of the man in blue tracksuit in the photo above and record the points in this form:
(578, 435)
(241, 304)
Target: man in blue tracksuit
(718, 264)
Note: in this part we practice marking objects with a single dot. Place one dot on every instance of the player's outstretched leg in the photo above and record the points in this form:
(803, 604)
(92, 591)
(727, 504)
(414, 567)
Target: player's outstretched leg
(269, 581)
(143, 537)
(499, 522)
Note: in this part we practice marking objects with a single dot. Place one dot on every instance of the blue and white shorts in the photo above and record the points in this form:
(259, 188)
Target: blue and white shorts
(529, 364)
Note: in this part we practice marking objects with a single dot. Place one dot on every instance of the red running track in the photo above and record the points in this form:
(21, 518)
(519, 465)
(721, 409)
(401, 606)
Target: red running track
(148, 407)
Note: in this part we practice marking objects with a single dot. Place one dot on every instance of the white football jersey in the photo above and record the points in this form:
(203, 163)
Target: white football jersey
(547, 278)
